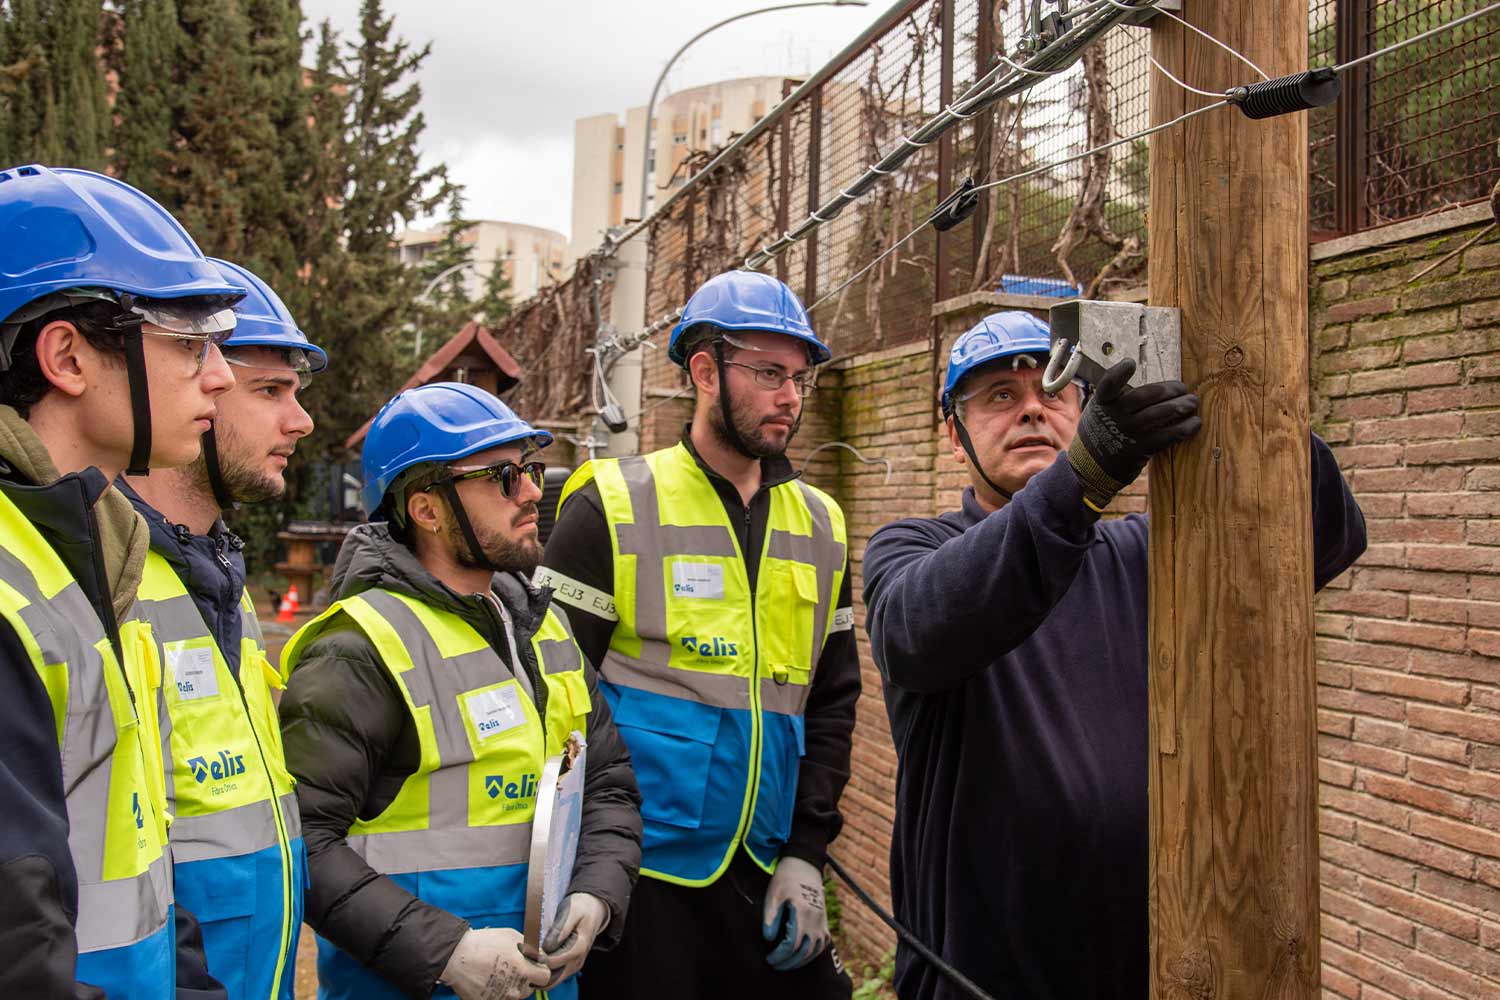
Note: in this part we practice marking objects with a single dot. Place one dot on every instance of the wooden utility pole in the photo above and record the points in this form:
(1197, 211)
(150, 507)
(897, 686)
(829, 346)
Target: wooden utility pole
(1234, 842)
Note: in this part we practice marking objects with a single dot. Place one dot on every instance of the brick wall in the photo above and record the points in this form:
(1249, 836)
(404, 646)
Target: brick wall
(1407, 389)
(1406, 386)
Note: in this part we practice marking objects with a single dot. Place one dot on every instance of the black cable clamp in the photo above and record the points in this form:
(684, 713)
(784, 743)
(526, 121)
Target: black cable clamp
(1314, 88)
(958, 206)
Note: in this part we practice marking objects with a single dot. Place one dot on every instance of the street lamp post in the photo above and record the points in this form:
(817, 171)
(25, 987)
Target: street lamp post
(438, 278)
(656, 88)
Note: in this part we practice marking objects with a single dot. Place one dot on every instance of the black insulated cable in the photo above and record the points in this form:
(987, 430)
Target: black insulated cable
(960, 980)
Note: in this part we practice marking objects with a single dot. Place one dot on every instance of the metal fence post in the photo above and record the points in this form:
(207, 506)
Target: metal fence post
(814, 172)
(1353, 20)
(941, 251)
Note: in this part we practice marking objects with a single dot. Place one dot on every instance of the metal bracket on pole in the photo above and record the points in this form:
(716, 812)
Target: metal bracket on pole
(1089, 337)
(1146, 16)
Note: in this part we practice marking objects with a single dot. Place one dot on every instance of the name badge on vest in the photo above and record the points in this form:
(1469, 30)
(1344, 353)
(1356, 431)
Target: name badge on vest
(694, 579)
(193, 673)
(494, 711)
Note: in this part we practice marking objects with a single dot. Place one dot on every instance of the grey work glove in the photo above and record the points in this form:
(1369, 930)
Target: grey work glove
(488, 965)
(579, 921)
(794, 916)
(1122, 427)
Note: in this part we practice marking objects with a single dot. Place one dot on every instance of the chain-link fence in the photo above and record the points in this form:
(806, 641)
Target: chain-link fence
(549, 336)
(1414, 132)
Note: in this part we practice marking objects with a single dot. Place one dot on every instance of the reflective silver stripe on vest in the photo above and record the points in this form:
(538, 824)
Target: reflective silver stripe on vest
(439, 688)
(819, 550)
(68, 630)
(442, 849)
(171, 619)
(650, 541)
(89, 732)
(227, 834)
(250, 623)
(559, 656)
(291, 816)
(123, 911)
(718, 690)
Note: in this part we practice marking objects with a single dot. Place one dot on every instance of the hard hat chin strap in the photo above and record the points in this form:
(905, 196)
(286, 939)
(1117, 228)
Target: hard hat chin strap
(215, 473)
(963, 439)
(128, 325)
(450, 493)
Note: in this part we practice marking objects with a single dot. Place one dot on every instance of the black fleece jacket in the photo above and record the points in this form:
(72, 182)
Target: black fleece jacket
(351, 744)
(1013, 650)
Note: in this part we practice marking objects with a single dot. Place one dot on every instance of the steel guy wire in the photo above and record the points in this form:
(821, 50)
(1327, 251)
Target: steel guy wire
(1465, 19)
(1199, 31)
(1088, 24)
(1010, 131)
(989, 91)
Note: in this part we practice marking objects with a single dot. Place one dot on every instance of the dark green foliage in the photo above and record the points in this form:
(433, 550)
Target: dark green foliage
(147, 64)
(495, 304)
(304, 175)
(446, 272)
(52, 92)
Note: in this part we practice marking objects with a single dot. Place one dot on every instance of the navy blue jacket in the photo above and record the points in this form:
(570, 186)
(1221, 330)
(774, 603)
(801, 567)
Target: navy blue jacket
(1012, 646)
(211, 567)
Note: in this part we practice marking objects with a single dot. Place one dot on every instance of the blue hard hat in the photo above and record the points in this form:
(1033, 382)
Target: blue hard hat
(263, 320)
(437, 422)
(999, 335)
(751, 302)
(62, 228)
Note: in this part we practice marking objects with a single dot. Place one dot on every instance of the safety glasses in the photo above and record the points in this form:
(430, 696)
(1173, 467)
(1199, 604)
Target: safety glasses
(506, 474)
(197, 344)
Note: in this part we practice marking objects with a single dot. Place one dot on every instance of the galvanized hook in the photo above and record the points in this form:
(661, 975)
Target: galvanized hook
(1054, 379)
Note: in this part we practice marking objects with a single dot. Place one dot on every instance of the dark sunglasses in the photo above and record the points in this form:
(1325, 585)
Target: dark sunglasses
(507, 474)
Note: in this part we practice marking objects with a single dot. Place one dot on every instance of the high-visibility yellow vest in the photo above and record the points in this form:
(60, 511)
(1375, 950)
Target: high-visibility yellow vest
(111, 767)
(458, 833)
(236, 835)
(707, 680)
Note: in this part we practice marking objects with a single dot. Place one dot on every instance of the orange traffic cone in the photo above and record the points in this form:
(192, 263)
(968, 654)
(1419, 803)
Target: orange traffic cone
(291, 595)
(285, 612)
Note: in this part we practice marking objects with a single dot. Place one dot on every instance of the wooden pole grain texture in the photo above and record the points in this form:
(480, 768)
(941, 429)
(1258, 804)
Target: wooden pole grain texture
(1233, 770)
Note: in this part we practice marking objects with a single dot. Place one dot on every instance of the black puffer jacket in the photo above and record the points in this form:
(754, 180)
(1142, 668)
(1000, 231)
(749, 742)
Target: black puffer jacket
(351, 744)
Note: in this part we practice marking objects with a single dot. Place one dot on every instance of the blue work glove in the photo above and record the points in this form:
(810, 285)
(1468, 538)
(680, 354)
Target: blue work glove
(794, 916)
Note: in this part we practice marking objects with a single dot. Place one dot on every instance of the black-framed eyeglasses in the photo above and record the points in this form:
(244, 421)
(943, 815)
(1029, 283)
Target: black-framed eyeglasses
(774, 378)
(506, 474)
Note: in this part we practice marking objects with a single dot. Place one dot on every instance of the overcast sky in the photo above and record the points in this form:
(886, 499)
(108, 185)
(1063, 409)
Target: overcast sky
(507, 78)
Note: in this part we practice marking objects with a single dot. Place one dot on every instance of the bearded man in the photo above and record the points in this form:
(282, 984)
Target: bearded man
(711, 586)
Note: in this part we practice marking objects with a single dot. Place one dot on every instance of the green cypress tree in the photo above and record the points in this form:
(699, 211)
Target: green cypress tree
(447, 272)
(221, 134)
(365, 182)
(52, 97)
(147, 66)
(277, 192)
(29, 74)
(495, 304)
(82, 123)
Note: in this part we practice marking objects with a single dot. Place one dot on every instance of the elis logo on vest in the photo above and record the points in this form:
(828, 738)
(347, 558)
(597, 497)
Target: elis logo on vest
(714, 647)
(226, 765)
(496, 785)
